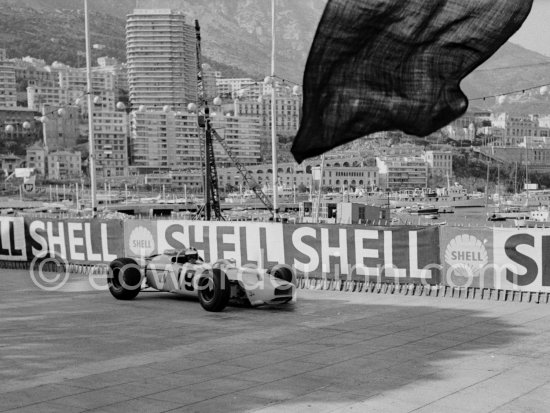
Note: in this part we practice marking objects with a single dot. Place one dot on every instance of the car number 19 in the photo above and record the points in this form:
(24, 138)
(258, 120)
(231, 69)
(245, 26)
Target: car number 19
(185, 279)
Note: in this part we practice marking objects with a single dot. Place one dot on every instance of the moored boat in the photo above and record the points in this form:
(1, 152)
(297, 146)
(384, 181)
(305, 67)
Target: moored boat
(451, 196)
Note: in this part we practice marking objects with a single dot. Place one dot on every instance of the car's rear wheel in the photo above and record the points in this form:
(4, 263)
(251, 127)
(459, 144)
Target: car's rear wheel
(214, 290)
(124, 279)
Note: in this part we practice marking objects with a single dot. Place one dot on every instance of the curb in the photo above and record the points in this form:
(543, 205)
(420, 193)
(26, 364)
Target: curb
(419, 290)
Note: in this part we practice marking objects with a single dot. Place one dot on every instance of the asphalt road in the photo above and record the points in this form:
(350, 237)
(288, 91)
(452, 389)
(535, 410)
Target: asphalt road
(80, 350)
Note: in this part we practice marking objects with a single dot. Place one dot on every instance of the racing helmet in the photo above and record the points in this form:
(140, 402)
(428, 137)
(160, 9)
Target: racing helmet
(191, 254)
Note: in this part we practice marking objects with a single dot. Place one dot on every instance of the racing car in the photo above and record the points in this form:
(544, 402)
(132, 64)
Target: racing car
(185, 272)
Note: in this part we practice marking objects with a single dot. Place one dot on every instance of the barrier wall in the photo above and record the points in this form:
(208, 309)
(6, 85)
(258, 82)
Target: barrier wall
(500, 258)
(522, 259)
(397, 254)
(77, 241)
(13, 245)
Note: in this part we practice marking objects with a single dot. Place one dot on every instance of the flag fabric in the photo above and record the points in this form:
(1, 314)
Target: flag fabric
(378, 65)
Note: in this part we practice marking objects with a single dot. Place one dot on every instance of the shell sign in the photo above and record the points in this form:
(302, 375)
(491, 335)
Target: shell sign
(141, 241)
(466, 255)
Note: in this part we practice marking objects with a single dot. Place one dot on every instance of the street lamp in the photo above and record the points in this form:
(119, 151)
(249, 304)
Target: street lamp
(10, 128)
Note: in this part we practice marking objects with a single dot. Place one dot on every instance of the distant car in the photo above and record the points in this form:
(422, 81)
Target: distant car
(184, 272)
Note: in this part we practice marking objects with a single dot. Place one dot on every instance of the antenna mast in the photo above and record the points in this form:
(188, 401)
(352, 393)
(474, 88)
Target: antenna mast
(208, 161)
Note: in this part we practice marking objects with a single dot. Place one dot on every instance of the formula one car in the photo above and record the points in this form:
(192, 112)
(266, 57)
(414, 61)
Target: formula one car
(184, 272)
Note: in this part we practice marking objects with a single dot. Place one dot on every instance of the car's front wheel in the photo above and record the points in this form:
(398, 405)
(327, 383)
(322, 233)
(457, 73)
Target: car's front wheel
(284, 273)
(214, 290)
(124, 279)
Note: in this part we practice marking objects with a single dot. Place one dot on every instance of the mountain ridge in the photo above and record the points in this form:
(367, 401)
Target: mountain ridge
(236, 39)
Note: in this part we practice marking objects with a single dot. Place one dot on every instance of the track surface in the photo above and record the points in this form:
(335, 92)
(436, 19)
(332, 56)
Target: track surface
(78, 349)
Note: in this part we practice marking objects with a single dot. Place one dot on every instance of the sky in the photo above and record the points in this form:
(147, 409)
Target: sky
(535, 32)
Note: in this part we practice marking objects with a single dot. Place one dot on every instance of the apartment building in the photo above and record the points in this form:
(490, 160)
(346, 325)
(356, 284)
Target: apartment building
(515, 127)
(161, 58)
(62, 127)
(46, 93)
(64, 165)
(397, 173)
(111, 133)
(241, 135)
(287, 106)
(245, 88)
(440, 163)
(36, 158)
(8, 89)
(164, 140)
(8, 163)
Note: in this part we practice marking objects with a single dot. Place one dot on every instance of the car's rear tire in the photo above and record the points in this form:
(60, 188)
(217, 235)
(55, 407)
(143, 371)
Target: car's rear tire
(214, 290)
(124, 279)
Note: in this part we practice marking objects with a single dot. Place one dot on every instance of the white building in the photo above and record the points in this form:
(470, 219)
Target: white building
(515, 127)
(187, 180)
(59, 164)
(164, 141)
(365, 177)
(30, 69)
(119, 71)
(62, 129)
(36, 158)
(111, 133)
(404, 149)
(61, 85)
(46, 93)
(398, 173)
(289, 175)
(8, 89)
(162, 59)
(288, 109)
(240, 87)
(70, 78)
(8, 163)
(242, 136)
(440, 163)
(64, 165)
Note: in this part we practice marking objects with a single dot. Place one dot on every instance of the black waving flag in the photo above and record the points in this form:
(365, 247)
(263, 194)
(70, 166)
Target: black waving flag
(378, 65)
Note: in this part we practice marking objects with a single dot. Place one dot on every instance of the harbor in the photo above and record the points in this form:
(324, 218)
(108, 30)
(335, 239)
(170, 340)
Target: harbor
(292, 210)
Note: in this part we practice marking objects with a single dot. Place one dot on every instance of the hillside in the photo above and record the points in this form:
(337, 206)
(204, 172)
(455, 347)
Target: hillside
(236, 33)
(236, 40)
(512, 68)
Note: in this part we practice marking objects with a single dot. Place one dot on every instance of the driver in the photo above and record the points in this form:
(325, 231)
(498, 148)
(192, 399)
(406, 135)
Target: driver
(192, 255)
